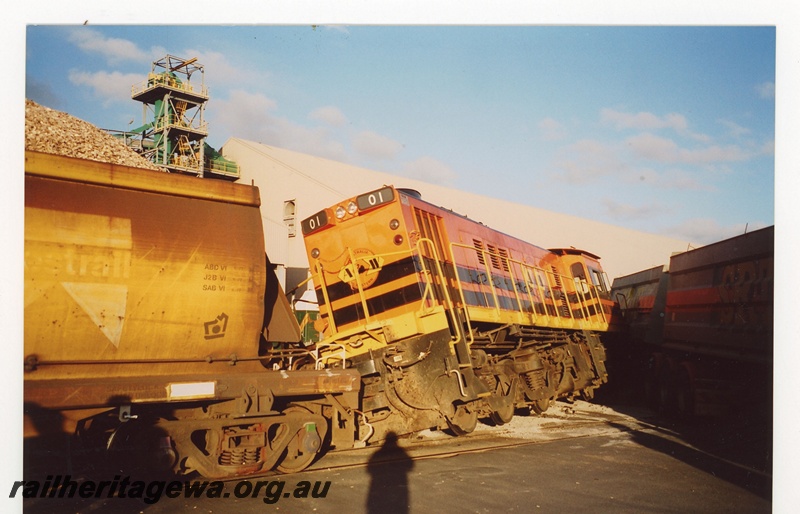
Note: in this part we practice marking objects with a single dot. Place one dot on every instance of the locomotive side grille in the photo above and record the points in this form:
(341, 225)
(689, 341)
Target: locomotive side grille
(504, 259)
(479, 251)
(428, 225)
(493, 256)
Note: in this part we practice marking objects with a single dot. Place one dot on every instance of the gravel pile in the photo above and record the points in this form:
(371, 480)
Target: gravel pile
(59, 133)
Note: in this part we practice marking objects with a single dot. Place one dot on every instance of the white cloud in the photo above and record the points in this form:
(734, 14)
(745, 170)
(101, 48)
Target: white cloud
(590, 160)
(655, 148)
(219, 71)
(115, 50)
(766, 90)
(430, 170)
(642, 120)
(734, 129)
(673, 178)
(250, 116)
(651, 147)
(329, 114)
(108, 86)
(713, 154)
(552, 130)
(587, 159)
(376, 146)
(649, 121)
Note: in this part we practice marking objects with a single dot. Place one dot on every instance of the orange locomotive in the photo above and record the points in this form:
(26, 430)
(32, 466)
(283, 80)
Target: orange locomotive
(448, 320)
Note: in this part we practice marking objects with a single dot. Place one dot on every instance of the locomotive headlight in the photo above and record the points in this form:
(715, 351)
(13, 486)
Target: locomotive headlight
(315, 253)
(340, 212)
(352, 208)
(394, 224)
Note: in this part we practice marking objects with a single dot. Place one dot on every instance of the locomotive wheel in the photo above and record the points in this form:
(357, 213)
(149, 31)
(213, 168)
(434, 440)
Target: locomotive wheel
(540, 406)
(503, 415)
(503, 401)
(298, 455)
(464, 420)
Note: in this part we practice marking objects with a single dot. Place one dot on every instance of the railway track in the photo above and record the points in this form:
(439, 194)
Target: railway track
(578, 428)
(561, 422)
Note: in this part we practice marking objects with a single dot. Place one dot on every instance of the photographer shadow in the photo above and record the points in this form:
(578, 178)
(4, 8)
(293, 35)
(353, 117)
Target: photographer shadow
(388, 469)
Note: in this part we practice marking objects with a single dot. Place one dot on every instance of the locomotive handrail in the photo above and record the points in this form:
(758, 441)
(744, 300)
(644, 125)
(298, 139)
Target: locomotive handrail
(427, 294)
(591, 291)
(360, 288)
(320, 272)
(581, 295)
(486, 257)
(599, 303)
(535, 273)
(557, 287)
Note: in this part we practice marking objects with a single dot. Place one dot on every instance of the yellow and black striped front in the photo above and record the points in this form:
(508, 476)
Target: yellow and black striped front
(368, 274)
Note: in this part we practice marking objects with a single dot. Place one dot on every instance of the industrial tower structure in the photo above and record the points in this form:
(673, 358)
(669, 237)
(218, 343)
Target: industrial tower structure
(174, 132)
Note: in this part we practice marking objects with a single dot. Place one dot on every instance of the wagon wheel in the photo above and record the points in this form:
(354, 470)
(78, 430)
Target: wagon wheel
(463, 421)
(302, 448)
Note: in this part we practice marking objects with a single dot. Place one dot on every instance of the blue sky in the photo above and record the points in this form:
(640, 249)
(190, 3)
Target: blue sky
(668, 130)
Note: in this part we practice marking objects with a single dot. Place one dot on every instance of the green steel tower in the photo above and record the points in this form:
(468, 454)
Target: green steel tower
(174, 133)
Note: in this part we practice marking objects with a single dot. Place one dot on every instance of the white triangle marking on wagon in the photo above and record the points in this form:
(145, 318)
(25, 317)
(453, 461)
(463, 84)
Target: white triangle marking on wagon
(105, 304)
